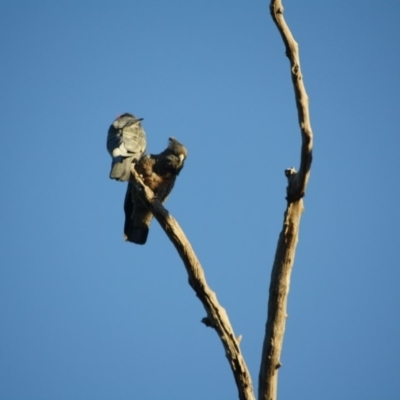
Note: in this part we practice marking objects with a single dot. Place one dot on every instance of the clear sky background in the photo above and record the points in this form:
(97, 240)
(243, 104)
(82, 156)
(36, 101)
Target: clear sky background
(85, 315)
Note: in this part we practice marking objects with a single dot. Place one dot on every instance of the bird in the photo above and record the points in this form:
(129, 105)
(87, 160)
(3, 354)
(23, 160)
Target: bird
(126, 143)
(158, 172)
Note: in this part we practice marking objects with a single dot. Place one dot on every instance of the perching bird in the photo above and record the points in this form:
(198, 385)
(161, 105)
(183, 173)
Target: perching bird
(126, 143)
(158, 173)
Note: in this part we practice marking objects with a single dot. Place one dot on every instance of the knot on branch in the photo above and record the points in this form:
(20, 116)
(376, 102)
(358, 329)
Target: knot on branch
(296, 71)
(275, 8)
(208, 322)
(294, 191)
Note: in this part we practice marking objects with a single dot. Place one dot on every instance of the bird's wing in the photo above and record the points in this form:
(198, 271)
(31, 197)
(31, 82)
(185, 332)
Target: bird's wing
(134, 139)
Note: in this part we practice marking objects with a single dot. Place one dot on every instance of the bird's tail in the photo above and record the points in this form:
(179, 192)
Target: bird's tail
(137, 225)
(137, 219)
(136, 234)
(120, 168)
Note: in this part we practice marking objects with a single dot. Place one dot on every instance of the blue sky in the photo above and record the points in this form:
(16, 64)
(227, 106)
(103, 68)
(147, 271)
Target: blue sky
(86, 315)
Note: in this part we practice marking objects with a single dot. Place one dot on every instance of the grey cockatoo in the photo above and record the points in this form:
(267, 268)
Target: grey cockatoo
(126, 143)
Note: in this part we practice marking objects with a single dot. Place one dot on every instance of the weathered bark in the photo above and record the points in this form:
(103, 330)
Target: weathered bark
(286, 247)
(217, 317)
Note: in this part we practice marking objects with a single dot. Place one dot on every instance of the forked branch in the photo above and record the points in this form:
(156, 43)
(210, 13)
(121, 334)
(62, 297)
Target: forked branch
(287, 242)
(217, 317)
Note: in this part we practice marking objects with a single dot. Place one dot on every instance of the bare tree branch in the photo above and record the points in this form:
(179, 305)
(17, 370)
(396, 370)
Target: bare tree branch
(286, 247)
(217, 317)
(298, 184)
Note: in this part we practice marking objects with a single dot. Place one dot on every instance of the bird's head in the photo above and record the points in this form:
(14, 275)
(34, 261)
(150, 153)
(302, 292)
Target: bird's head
(177, 148)
(126, 119)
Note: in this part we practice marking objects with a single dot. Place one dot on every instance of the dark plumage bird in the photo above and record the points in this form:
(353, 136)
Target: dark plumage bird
(126, 143)
(158, 172)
